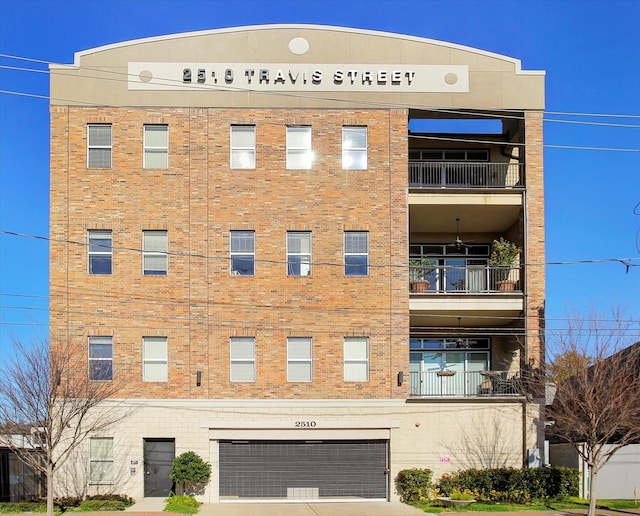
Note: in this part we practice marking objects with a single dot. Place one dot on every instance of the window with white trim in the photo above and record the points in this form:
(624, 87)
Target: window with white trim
(299, 360)
(156, 146)
(243, 253)
(155, 260)
(356, 359)
(100, 249)
(299, 152)
(354, 148)
(100, 358)
(298, 253)
(99, 146)
(155, 363)
(243, 146)
(356, 253)
(101, 464)
(242, 352)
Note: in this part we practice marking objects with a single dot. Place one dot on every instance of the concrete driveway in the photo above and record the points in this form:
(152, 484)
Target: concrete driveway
(155, 506)
(309, 509)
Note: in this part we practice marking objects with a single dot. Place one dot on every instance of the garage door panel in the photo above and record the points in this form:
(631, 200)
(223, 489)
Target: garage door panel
(299, 469)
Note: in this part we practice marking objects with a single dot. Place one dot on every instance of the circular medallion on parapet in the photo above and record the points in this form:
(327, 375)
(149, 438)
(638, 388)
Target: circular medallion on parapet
(145, 75)
(298, 46)
(451, 78)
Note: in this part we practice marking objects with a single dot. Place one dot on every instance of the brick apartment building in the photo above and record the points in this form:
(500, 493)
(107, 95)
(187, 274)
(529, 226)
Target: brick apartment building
(271, 238)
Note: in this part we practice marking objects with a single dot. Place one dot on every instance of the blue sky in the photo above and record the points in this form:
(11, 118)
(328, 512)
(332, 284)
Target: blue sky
(590, 50)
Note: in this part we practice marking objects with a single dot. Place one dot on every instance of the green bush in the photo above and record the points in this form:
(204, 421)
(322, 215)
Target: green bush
(190, 470)
(182, 504)
(513, 485)
(102, 505)
(127, 500)
(415, 485)
(67, 502)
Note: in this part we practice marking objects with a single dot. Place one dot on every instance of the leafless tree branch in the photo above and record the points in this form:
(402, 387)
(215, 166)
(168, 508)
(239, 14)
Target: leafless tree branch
(48, 405)
(596, 374)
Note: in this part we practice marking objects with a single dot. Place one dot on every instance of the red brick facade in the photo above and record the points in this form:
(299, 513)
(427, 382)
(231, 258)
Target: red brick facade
(199, 199)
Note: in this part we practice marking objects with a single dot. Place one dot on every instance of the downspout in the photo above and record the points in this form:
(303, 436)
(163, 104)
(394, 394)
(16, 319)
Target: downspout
(525, 455)
(524, 360)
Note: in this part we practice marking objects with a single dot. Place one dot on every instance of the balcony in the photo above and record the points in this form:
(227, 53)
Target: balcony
(454, 174)
(464, 384)
(466, 279)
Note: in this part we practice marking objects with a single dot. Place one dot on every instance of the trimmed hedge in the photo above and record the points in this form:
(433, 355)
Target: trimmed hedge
(415, 485)
(101, 505)
(127, 500)
(513, 485)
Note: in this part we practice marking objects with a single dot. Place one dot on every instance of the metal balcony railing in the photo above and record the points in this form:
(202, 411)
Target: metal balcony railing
(464, 279)
(447, 383)
(464, 174)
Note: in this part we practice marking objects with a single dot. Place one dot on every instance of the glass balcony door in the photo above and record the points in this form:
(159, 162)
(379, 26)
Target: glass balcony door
(447, 373)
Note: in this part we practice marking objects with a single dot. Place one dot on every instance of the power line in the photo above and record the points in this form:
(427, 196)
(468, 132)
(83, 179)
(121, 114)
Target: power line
(408, 106)
(625, 261)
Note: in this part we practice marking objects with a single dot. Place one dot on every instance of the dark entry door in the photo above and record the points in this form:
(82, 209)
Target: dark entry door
(158, 456)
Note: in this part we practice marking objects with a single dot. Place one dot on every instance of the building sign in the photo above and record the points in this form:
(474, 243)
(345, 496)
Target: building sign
(301, 78)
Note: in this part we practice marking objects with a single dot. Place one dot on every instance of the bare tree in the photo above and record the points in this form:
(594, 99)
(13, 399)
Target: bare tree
(595, 373)
(493, 447)
(47, 398)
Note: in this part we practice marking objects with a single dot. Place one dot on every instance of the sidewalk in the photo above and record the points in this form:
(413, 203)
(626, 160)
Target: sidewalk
(153, 506)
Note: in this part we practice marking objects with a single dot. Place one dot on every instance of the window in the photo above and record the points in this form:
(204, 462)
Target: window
(100, 358)
(298, 253)
(156, 146)
(154, 253)
(449, 154)
(101, 459)
(243, 146)
(242, 253)
(456, 268)
(299, 359)
(99, 146)
(356, 253)
(100, 251)
(463, 356)
(356, 359)
(154, 359)
(354, 148)
(242, 351)
(299, 153)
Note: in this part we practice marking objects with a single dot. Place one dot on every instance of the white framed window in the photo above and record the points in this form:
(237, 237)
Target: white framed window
(299, 359)
(242, 352)
(99, 146)
(356, 359)
(101, 464)
(299, 152)
(298, 253)
(354, 148)
(243, 146)
(155, 363)
(100, 248)
(155, 260)
(156, 146)
(356, 253)
(243, 253)
(100, 358)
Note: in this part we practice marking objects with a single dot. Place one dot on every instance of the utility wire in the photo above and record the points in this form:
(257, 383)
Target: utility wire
(249, 90)
(625, 260)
